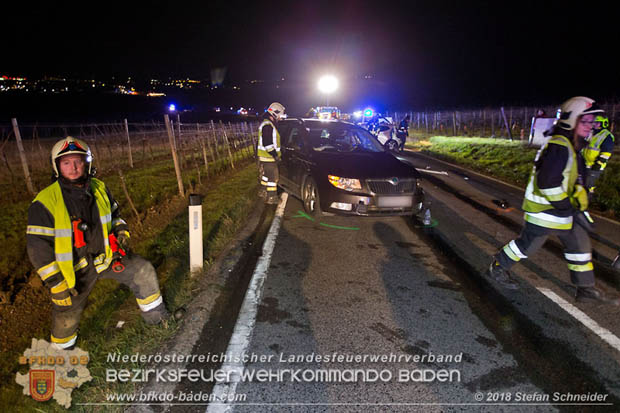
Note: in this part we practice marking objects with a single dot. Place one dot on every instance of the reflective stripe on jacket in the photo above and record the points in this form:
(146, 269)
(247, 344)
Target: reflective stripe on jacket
(51, 198)
(594, 152)
(263, 150)
(537, 203)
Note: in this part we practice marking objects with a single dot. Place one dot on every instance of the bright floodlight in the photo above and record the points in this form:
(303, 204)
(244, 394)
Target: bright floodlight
(328, 84)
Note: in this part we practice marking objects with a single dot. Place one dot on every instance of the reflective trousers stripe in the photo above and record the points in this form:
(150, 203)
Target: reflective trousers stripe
(63, 303)
(63, 343)
(581, 267)
(586, 256)
(48, 270)
(513, 252)
(151, 305)
(60, 287)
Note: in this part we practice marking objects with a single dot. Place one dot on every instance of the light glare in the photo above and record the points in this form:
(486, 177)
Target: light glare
(328, 84)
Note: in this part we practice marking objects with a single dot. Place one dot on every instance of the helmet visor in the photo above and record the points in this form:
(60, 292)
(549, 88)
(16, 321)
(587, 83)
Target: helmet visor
(71, 146)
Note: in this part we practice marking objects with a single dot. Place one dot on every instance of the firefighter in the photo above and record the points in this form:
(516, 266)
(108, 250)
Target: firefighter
(75, 235)
(403, 131)
(555, 204)
(269, 152)
(598, 150)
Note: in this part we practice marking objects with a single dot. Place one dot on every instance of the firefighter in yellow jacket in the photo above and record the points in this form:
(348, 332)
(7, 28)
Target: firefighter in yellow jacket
(556, 204)
(75, 235)
(269, 152)
(598, 150)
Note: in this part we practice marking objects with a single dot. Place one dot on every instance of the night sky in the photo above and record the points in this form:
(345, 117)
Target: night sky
(419, 54)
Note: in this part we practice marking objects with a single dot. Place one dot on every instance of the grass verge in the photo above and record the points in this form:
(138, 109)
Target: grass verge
(228, 200)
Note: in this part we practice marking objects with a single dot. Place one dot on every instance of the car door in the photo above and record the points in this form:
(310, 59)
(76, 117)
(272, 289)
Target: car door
(294, 158)
(290, 130)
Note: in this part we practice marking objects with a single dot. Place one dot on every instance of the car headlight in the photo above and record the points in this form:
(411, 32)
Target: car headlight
(348, 184)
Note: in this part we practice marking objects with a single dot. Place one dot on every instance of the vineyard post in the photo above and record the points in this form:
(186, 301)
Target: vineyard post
(174, 155)
(454, 123)
(506, 123)
(22, 155)
(228, 146)
(128, 144)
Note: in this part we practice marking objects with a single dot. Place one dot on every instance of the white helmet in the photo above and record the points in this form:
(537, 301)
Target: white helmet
(71, 145)
(573, 108)
(276, 109)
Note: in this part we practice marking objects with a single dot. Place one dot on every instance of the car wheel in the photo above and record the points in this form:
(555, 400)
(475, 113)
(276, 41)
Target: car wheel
(391, 145)
(310, 197)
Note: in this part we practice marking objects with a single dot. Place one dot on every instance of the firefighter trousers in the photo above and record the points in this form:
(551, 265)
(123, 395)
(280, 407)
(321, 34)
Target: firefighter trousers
(577, 250)
(268, 172)
(138, 274)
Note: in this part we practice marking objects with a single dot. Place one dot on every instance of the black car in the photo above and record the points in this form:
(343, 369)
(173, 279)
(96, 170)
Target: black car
(338, 167)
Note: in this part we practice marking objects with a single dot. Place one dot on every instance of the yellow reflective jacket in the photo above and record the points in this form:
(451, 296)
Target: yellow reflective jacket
(62, 232)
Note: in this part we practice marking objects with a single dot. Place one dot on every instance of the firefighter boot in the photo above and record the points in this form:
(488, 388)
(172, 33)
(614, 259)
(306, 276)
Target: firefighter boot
(156, 315)
(502, 276)
(593, 294)
(616, 263)
(272, 198)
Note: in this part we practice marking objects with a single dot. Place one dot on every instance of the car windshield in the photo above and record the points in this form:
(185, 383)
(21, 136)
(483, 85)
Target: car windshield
(338, 137)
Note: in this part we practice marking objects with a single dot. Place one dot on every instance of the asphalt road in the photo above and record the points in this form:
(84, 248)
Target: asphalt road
(391, 287)
(346, 299)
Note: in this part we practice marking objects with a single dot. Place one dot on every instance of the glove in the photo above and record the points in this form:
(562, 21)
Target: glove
(123, 240)
(584, 219)
(581, 195)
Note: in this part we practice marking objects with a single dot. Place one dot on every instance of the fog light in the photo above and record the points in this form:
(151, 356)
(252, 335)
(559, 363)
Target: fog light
(342, 206)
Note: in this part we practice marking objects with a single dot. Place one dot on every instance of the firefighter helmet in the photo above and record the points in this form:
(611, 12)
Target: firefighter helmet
(573, 108)
(276, 109)
(604, 121)
(71, 145)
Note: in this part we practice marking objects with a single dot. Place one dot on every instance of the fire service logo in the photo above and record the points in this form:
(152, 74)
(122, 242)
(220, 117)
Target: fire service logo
(42, 384)
(52, 373)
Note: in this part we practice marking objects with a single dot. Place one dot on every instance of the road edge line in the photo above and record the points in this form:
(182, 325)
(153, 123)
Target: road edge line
(582, 317)
(244, 327)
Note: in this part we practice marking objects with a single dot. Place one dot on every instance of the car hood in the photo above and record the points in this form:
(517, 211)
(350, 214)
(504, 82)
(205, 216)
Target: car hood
(362, 165)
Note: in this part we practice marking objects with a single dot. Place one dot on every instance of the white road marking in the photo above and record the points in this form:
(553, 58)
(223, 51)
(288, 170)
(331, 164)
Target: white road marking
(430, 171)
(602, 332)
(242, 334)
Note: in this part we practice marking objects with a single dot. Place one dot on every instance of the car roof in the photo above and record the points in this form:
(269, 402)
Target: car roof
(314, 123)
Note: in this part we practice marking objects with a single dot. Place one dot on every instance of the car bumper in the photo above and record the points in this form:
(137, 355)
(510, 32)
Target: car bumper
(373, 205)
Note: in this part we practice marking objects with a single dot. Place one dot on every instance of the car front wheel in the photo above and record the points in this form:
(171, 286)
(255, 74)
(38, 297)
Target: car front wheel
(392, 145)
(310, 197)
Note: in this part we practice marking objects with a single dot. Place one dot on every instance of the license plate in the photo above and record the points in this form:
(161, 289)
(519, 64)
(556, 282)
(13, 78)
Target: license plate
(395, 202)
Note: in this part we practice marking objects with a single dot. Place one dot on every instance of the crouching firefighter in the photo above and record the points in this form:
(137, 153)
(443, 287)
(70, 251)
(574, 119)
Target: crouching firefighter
(75, 235)
(269, 152)
(556, 204)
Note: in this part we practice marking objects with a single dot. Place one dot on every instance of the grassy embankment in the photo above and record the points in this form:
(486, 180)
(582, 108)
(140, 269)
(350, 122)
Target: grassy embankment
(512, 162)
(162, 238)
